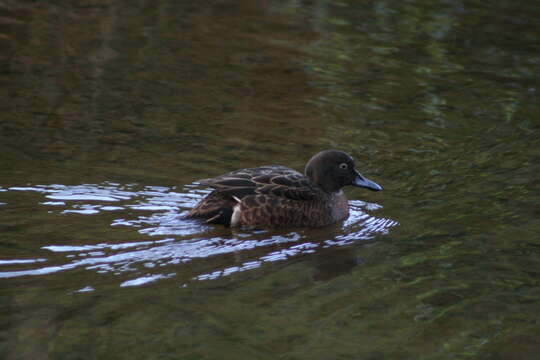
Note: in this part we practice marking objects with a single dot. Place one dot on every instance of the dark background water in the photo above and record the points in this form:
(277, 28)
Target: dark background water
(111, 109)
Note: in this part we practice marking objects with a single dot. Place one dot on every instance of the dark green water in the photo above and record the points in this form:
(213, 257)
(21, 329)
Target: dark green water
(110, 110)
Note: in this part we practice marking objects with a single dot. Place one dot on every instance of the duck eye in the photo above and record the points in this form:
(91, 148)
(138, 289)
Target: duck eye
(343, 166)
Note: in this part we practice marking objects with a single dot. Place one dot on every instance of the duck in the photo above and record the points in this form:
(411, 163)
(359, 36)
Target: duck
(275, 196)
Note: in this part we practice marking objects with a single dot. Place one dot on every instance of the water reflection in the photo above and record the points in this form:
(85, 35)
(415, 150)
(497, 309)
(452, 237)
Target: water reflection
(171, 241)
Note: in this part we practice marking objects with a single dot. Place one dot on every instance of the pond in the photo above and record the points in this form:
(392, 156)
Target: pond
(111, 112)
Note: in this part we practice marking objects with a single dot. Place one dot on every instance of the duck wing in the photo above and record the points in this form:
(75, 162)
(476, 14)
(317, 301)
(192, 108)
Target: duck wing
(272, 180)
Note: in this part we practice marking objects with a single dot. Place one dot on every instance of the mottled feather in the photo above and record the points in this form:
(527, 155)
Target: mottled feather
(271, 180)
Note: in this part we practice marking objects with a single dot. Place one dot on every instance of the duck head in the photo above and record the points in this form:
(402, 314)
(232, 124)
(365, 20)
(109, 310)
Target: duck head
(334, 169)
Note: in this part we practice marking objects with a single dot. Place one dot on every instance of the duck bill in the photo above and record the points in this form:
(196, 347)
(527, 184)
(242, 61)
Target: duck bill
(361, 181)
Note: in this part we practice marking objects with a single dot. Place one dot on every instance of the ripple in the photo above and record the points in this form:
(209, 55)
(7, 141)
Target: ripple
(145, 280)
(155, 212)
(21, 261)
(85, 289)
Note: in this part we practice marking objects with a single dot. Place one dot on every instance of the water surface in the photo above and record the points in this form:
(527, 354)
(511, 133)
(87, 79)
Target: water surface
(112, 110)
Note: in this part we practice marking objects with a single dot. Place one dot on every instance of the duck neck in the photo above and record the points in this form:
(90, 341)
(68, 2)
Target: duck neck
(325, 184)
(340, 205)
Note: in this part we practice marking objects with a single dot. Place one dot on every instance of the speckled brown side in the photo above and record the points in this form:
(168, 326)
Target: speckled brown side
(263, 211)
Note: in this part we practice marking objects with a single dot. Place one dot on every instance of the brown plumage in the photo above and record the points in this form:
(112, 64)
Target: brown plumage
(275, 196)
